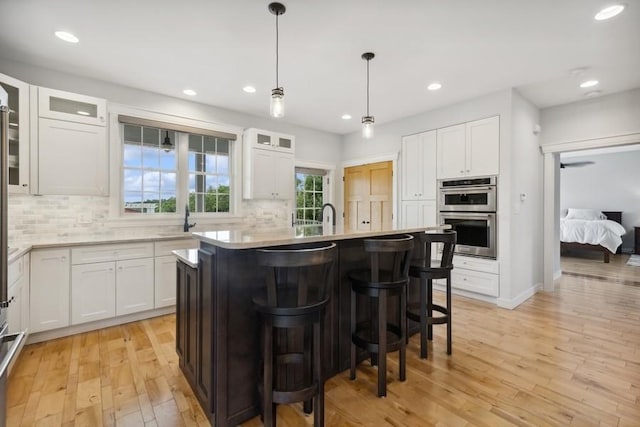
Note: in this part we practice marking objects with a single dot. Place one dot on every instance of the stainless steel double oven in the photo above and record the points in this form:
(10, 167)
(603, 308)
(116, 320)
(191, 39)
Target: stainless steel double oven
(469, 206)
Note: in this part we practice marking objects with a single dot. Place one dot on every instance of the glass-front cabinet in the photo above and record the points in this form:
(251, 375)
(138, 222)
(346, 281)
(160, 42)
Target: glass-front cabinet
(18, 153)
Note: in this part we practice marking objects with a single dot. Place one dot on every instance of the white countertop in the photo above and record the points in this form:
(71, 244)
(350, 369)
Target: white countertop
(258, 238)
(188, 256)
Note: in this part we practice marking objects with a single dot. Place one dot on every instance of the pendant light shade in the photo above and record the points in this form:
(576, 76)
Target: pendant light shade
(166, 144)
(277, 94)
(368, 120)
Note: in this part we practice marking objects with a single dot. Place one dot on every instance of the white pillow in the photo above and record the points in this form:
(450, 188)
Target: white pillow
(587, 214)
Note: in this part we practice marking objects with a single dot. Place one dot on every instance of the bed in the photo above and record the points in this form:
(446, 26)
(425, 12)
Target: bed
(588, 229)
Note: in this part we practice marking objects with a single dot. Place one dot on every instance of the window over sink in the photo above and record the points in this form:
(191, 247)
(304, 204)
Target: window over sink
(166, 166)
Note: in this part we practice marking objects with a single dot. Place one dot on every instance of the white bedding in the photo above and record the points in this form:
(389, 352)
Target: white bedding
(594, 232)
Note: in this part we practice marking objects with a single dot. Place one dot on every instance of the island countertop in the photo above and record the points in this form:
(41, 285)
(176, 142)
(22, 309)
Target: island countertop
(260, 238)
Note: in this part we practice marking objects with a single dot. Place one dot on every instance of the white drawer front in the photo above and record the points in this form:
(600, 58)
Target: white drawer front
(164, 248)
(102, 253)
(476, 264)
(475, 281)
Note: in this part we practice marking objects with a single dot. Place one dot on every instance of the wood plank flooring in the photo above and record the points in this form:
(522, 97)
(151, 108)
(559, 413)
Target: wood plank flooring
(567, 358)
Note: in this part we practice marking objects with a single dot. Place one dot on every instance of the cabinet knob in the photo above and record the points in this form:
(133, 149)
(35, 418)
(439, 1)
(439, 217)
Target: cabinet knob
(63, 259)
(462, 171)
(468, 170)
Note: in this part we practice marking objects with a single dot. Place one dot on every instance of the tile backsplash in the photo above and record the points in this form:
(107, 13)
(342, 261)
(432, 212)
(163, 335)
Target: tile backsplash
(50, 219)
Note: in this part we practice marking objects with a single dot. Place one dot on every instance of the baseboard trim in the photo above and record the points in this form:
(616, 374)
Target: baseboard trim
(557, 275)
(98, 324)
(512, 303)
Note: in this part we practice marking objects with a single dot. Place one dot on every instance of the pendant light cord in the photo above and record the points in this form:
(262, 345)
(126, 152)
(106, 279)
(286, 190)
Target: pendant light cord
(367, 87)
(277, 56)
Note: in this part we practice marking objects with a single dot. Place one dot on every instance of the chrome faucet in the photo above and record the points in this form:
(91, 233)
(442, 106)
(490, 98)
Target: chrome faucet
(187, 226)
(333, 213)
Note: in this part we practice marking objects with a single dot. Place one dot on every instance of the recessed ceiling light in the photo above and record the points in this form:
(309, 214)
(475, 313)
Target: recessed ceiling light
(593, 93)
(249, 89)
(609, 12)
(189, 92)
(588, 83)
(434, 86)
(68, 37)
(346, 117)
(83, 113)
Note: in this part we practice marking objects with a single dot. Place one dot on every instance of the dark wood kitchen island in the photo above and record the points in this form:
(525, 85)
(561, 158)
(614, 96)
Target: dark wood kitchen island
(218, 338)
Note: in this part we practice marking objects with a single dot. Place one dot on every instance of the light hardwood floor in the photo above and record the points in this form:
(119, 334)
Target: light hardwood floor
(567, 358)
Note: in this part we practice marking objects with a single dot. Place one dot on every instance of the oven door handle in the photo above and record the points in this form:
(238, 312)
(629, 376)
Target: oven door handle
(17, 341)
(466, 190)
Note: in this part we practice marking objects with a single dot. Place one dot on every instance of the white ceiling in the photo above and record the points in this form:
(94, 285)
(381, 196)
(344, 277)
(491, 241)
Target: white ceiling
(218, 46)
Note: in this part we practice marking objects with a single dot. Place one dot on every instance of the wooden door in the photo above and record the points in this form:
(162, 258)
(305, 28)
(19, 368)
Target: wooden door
(368, 197)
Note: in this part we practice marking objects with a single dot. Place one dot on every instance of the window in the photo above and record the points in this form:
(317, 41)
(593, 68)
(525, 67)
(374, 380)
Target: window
(309, 196)
(194, 170)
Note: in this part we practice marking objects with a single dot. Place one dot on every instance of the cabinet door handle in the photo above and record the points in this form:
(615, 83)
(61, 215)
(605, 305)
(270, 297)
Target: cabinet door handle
(63, 259)
(25, 185)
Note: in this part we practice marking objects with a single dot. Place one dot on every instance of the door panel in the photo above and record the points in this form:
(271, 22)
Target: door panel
(368, 197)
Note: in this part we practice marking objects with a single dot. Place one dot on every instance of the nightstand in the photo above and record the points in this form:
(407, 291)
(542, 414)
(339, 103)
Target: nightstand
(637, 240)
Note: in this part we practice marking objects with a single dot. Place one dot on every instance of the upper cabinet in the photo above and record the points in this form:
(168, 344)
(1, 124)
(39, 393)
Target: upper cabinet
(418, 177)
(268, 165)
(71, 107)
(70, 154)
(18, 152)
(469, 149)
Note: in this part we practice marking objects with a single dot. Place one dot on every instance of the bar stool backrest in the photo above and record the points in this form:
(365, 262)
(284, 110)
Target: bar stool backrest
(391, 253)
(425, 246)
(298, 277)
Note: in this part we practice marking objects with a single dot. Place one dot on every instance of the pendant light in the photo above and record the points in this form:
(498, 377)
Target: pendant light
(368, 120)
(277, 94)
(166, 144)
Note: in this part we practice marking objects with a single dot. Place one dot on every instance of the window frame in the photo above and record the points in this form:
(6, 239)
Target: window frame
(328, 187)
(116, 170)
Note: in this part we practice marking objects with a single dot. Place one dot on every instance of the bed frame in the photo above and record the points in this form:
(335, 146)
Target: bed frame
(611, 215)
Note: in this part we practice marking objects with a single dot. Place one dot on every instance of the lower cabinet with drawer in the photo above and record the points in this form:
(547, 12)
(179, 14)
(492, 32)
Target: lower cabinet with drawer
(476, 275)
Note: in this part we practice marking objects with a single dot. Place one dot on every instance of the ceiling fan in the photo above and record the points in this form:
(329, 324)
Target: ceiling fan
(575, 164)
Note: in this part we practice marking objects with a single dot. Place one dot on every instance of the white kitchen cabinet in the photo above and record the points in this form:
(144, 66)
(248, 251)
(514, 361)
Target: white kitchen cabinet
(478, 275)
(72, 159)
(72, 107)
(165, 270)
(18, 138)
(418, 213)
(418, 177)
(93, 291)
(18, 295)
(268, 165)
(134, 286)
(469, 149)
(50, 277)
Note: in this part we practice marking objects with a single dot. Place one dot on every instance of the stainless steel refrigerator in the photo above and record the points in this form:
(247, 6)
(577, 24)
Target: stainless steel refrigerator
(9, 344)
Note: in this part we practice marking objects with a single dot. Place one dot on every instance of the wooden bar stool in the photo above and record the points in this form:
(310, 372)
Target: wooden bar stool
(387, 277)
(298, 287)
(425, 271)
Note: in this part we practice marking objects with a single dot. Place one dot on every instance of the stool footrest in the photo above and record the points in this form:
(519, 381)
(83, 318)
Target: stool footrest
(394, 338)
(293, 396)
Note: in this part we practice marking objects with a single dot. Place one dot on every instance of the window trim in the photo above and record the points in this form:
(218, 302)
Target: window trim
(116, 166)
(329, 183)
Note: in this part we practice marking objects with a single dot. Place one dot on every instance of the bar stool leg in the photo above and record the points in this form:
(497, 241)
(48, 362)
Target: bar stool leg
(430, 308)
(268, 407)
(308, 349)
(318, 410)
(382, 344)
(449, 314)
(352, 372)
(403, 333)
(423, 318)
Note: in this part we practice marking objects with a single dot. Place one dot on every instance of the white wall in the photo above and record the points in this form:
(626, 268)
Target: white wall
(605, 116)
(527, 214)
(612, 183)
(32, 218)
